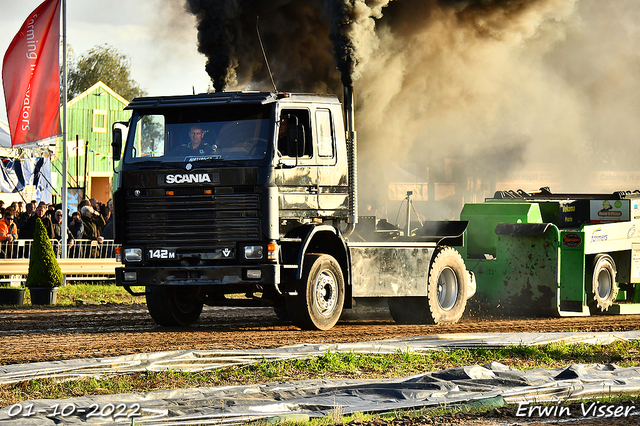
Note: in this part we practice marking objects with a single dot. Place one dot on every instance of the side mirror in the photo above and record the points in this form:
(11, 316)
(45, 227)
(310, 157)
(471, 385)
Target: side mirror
(116, 144)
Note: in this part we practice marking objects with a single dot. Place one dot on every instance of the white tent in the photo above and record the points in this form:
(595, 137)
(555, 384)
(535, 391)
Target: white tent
(5, 137)
(25, 170)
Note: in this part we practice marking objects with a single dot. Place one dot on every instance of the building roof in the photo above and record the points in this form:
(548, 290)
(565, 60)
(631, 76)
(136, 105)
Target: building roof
(98, 85)
(5, 135)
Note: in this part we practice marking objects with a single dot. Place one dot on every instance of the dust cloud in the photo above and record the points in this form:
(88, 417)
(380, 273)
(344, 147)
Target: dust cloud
(472, 94)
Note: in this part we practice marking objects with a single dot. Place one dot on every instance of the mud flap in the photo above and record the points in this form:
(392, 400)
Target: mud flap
(472, 285)
(572, 300)
(522, 279)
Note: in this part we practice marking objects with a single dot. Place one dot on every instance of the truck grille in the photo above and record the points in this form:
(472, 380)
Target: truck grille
(191, 221)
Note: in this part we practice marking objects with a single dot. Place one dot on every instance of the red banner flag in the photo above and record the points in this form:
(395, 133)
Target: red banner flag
(31, 76)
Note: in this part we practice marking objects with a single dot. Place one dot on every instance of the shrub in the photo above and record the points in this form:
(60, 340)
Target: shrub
(44, 270)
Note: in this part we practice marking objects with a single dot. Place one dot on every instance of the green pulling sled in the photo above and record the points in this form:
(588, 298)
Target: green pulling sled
(547, 254)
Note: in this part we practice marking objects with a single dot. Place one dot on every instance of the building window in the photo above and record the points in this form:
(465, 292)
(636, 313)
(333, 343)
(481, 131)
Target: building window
(99, 121)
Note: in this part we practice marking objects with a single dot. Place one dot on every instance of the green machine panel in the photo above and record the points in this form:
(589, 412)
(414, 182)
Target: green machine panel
(483, 219)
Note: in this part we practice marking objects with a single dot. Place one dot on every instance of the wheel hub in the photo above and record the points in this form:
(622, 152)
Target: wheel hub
(326, 292)
(605, 284)
(185, 300)
(447, 289)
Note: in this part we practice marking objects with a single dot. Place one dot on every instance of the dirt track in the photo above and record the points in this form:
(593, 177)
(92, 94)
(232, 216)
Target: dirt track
(45, 334)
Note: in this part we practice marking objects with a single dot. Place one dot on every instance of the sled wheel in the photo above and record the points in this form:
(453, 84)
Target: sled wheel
(320, 298)
(446, 297)
(602, 290)
(172, 306)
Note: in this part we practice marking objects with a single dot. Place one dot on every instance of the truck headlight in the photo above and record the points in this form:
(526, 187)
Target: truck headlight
(253, 252)
(133, 255)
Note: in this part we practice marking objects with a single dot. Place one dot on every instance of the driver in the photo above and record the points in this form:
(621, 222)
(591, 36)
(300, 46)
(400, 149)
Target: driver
(282, 136)
(197, 146)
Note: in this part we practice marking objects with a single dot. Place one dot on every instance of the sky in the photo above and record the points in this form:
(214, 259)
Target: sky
(158, 36)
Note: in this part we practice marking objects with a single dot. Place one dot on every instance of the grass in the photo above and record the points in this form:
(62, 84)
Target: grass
(92, 293)
(97, 293)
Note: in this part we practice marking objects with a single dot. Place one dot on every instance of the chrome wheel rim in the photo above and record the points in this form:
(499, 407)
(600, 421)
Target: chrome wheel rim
(605, 284)
(325, 291)
(447, 289)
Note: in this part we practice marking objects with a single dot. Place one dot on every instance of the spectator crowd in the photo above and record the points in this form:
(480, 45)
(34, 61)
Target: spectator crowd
(93, 221)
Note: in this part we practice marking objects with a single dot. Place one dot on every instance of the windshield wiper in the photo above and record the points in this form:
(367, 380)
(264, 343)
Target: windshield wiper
(150, 164)
(180, 163)
(230, 162)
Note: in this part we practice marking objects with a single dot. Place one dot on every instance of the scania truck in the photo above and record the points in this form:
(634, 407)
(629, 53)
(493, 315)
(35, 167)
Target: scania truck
(266, 207)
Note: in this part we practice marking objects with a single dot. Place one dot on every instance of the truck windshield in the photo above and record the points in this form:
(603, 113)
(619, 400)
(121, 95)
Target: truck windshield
(178, 135)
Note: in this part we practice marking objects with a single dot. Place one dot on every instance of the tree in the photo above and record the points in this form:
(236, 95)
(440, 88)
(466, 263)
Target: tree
(102, 63)
(44, 270)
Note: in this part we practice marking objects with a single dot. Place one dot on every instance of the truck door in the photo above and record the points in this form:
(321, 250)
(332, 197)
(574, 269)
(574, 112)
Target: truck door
(297, 175)
(332, 174)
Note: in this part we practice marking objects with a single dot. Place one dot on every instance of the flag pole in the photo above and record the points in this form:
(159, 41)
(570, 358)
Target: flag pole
(65, 217)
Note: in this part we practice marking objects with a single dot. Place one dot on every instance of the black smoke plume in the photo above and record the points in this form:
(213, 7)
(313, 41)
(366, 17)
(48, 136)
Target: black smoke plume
(300, 36)
(441, 83)
(293, 31)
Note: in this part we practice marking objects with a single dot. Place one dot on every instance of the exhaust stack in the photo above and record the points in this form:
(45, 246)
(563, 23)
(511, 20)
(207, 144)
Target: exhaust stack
(352, 158)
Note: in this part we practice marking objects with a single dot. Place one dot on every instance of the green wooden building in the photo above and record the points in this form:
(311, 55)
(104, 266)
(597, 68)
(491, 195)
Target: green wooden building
(90, 116)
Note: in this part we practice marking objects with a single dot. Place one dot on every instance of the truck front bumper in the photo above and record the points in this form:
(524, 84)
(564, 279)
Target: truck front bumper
(211, 275)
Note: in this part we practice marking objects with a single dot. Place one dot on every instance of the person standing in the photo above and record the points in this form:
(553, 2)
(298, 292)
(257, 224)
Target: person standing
(91, 231)
(8, 233)
(76, 226)
(30, 227)
(24, 217)
(8, 229)
(98, 219)
(56, 223)
(107, 232)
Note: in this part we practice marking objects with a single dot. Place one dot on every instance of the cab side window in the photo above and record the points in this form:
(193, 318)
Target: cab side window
(324, 130)
(289, 118)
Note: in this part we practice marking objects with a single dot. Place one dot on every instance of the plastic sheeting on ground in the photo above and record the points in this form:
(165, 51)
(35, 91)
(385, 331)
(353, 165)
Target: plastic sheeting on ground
(209, 360)
(490, 385)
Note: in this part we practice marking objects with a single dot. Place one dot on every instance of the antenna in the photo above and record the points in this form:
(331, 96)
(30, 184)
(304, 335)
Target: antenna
(275, 89)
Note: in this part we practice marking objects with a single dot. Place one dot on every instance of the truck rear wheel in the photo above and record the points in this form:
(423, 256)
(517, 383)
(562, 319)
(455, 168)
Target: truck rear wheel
(446, 297)
(172, 306)
(602, 289)
(320, 298)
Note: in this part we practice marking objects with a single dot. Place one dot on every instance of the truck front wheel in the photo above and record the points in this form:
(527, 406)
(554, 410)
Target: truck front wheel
(172, 306)
(446, 299)
(320, 298)
(602, 290)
